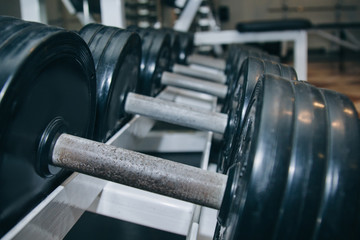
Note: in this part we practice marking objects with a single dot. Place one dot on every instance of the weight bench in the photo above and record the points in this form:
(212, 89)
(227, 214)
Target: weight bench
(269, 31)
(295, 30)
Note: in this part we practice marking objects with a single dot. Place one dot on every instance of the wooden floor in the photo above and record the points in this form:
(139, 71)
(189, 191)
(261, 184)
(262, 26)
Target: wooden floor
(327, 75)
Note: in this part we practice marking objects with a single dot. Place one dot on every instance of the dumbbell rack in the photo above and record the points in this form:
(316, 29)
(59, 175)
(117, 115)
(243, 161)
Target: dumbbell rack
(59, 212)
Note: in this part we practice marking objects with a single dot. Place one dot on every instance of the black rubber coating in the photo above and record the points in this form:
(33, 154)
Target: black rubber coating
(174, 43)
(239, 93)
(89, 31)
(158, 60)
(117, 55)
(256, 192)
(48, 74)
(296, 163)
(232, 79)
(11, 26)
(235, 102)
(338, 217)
(147, 38)
(186, 46)
(236, 58)
(307, 171)
(254, 68)
(99, 41)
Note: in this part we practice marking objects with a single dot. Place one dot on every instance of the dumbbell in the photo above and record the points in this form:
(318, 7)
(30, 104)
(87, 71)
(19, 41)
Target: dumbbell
(118, 52)
(119, 61)
(154, 62)
(41, 114)
(304, 193)
(65, 87)
(100, 36)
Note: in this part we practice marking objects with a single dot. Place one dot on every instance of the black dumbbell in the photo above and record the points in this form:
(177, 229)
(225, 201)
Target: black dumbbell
(293, 184)
(256, 199)
(155, 50)
(226, 124)
(46, 72)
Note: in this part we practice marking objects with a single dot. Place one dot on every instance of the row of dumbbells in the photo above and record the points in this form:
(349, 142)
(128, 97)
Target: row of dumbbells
(155, 62)
(289, 149)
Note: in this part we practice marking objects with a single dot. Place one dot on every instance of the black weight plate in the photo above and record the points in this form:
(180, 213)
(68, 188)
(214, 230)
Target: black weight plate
(174, 43)
(89, 31)
(46, 73)
(99, 41)
(157, 62)
(10, 26)
(241, 53)
(147, 40)
(232, 71)
(272, 68)
(228, 214)
(307, 170)
(251, 70)
(288, 72)
(339, 213)
(175, 46)
(7, 17)
(186, 46)
(232, 51)
(142, 34)
(232, 127)
(252, 201)
(250, 74)
(232, 80)
(141, 31)
(10, 19)
(133, 28)
(117, 74)
(238, 68)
